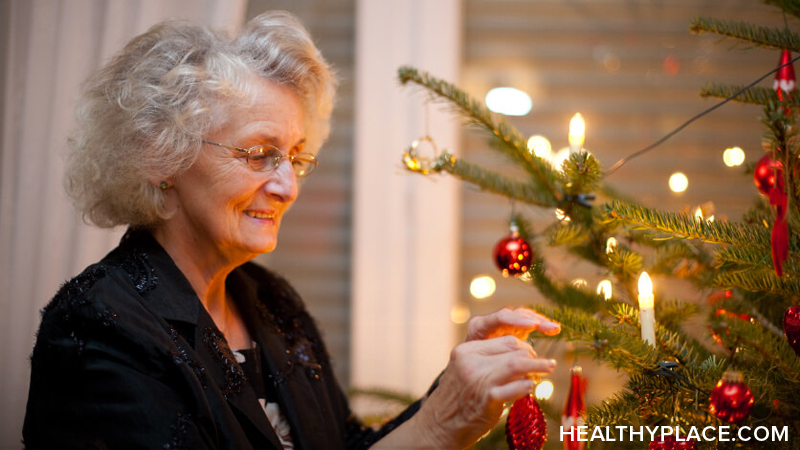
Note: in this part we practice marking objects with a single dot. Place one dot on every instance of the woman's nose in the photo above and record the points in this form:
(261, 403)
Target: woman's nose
(283, 181)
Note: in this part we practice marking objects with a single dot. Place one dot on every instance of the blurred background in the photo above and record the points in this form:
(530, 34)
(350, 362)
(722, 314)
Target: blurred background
(385, 259)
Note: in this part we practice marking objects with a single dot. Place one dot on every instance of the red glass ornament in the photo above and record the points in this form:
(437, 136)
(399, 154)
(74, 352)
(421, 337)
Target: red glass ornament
(670, 443)
(731, 399)
(512, 254)
(574, 409)
(526, 428)
(767, 172)
(791, 327)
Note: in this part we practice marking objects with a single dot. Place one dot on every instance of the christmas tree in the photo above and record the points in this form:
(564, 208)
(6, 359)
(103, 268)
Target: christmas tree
(743, 368)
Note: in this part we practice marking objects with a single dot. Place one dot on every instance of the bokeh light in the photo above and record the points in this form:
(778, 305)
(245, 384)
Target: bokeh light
(460, 314)
(579, 283)
(678, 182)
(482, 287)
(509, 101)
(577, 132)
(604, 289)
(540, 146)
(611, 245)
(544, 390)
(733, 157)
(559, 157)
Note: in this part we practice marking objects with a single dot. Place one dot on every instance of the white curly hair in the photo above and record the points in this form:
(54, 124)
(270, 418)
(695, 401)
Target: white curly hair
(143, 116)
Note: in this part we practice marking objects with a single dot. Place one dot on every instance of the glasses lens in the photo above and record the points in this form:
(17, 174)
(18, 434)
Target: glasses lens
(264, 157)
(303, 164)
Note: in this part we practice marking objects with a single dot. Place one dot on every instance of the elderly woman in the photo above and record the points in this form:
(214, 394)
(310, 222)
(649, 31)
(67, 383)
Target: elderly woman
(174, 340)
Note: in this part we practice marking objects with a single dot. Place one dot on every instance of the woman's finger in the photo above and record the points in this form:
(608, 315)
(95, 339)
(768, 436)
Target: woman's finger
(519, 322)
(512, 391)
(493, 346)
(504, 368)
(498, 361)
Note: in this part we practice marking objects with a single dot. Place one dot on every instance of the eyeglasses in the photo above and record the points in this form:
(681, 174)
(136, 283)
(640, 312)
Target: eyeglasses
(266, 158)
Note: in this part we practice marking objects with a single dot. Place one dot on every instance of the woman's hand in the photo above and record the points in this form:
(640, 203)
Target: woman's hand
(492, 367)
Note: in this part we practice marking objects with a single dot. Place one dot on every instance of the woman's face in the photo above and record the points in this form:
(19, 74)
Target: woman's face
(227, 209)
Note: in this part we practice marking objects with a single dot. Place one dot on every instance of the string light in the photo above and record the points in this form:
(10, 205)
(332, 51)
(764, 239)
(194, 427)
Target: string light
(559, 157)
(678, 182)
(460, 314)
(540, 146)
(604, 289)
(733, 156)
(698, 214)
(482, 287)
(625, 159)
(577, 132)
(544, 390)
(509, 101)
(611, 245)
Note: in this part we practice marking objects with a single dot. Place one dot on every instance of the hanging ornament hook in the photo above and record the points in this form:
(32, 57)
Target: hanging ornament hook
(412, 158)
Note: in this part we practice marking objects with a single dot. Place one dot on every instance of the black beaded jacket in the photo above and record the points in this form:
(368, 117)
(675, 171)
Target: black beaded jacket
(128, 358)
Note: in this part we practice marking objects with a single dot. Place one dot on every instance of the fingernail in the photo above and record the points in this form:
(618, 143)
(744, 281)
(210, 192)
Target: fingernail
(551, 364)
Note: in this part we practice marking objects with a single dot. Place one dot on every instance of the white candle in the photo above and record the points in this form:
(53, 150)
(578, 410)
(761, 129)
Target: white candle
(647, 317)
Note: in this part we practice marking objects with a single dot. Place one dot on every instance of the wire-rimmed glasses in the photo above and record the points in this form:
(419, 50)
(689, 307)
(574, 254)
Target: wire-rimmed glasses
(266, 158)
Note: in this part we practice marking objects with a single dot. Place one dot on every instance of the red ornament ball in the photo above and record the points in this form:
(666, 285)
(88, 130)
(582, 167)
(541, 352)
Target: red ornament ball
(526, 428)
(767, 172)
(513, 255)
(670, 443)
(731, 399)
(791, 327)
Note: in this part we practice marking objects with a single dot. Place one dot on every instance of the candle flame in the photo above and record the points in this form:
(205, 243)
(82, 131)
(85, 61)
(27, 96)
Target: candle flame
(604, 289)
(645, 291)
(577, 132)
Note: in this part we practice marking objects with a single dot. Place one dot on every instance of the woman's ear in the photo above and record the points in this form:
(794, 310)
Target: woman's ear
(162, 182)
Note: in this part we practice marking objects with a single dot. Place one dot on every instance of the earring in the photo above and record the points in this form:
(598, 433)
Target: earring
(163, 185)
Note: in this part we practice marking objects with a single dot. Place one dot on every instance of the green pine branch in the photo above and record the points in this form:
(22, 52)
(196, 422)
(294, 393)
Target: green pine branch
(625, 264)
(614, 345)
(565, 295)
(671, 313)
(613, 411)
(788, 6)
(582, 173)
(685, 226)
(753, 95)
(753, 34)
(495, 182)
(513, 143)
(572, 233)
(761, 280)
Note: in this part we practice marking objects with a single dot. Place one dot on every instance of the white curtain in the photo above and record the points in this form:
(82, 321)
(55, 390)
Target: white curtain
(49, 47)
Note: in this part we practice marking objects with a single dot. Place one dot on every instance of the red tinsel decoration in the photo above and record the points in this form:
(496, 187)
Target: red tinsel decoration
(768, 177)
